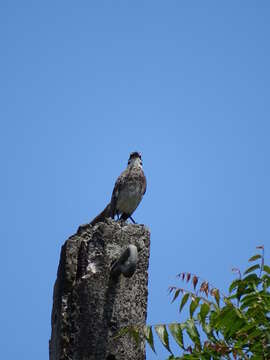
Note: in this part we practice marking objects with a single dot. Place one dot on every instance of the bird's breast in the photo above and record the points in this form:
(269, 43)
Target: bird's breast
(129, 198)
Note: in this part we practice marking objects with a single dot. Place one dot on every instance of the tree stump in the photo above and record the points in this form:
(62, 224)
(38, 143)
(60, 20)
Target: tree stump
(89, 305)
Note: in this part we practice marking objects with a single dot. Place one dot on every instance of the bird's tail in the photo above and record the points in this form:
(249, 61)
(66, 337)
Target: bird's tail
(106, 213)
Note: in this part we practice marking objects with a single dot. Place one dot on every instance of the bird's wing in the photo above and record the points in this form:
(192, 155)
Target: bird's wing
(119, 184)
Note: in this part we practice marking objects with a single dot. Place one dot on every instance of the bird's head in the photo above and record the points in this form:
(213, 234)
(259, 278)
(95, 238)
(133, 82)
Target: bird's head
(135, 158)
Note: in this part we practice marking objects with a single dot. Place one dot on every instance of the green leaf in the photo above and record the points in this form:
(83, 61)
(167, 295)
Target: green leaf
(237, 325)
(223, 319)
(207, 328)
(122, 332)
(193, 306)
(252, 268)
(163, 336)
(266, 281)
(134, 332)
(241, 290)
(193, 332)
(148, 334)
(176, 294)
(177, 333)
(217, 298)
(234, 285)
(205, 308)
(255, 257)
(249, 300)
(251, 278)
(266, 269)
(256, 332)
(183, 302)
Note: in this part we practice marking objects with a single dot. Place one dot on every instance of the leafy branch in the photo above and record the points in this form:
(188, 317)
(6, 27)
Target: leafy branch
(219, 326)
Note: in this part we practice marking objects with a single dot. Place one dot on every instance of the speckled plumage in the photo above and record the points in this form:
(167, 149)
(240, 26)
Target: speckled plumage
(129, 188)
(127, 193)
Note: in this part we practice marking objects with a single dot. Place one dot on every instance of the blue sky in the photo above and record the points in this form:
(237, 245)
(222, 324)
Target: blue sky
(85, 83)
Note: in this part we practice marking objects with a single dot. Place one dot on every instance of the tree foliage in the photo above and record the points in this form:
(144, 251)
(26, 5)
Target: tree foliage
(219, 326)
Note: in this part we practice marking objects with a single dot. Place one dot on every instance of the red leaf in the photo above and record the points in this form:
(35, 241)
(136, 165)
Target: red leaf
(205, 288)
(195, 281)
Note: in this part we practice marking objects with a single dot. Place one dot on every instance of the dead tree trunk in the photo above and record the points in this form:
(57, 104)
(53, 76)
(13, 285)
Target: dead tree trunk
(89, 304)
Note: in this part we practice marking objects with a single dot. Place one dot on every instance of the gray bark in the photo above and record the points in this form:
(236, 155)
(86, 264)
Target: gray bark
(89, 304)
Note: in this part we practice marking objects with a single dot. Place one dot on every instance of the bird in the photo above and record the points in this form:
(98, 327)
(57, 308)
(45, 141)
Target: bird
(128, 189)
(128, 192)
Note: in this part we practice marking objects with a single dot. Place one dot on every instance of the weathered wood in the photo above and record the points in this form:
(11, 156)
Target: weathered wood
(89, 305)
